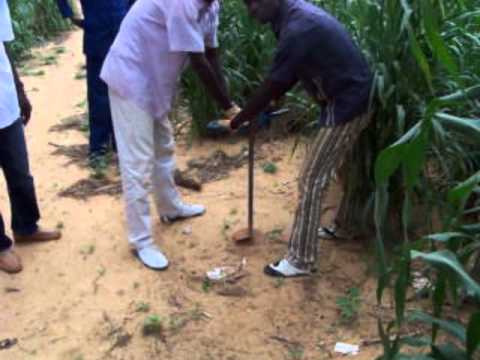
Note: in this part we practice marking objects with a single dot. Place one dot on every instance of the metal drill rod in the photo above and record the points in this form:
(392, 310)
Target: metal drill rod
(251, 158)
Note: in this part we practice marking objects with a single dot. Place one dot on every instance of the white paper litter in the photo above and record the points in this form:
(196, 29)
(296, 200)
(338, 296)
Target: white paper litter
(187, 230)
(346, 349)
(420, 282)
(222, 272)
(219, 273)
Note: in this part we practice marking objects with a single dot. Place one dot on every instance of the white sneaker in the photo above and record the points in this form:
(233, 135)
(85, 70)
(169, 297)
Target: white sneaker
(184, 211)
(153, 258)
(283, 268)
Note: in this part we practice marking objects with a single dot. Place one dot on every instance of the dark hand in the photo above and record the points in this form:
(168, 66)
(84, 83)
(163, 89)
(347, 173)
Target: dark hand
(237, 121)
(25, 108)
(77, 22)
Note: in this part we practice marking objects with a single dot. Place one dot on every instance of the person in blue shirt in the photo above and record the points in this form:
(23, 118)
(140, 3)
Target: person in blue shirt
(314, 49)
(101, 22)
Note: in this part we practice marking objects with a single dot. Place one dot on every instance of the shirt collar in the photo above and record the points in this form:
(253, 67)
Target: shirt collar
(281, 18)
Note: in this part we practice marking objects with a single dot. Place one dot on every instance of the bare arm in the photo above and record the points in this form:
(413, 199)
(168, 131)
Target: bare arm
(25, 106)
(214, 60)
(268, 91)
(214, 84)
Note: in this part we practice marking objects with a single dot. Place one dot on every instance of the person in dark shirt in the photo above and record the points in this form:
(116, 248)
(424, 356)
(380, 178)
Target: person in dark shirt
(101, 22)
(316, 50)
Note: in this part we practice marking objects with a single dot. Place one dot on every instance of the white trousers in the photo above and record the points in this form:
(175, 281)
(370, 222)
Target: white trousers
(146, 155)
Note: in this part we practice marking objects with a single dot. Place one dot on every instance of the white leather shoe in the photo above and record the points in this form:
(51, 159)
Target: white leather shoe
(184, 211)
(153, 258)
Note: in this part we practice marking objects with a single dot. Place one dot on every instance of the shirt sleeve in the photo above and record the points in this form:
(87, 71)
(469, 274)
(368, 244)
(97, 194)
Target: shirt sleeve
(288, 59)
(183, 29)
(6, 30)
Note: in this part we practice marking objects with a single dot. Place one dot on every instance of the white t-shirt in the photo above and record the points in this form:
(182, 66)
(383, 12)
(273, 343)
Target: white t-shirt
(9, 108)
(151, 49)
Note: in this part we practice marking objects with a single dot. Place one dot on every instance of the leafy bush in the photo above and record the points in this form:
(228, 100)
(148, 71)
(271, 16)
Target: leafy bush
(34, 21)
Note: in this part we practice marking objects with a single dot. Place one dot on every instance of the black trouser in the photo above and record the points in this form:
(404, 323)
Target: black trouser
(100, 118)
(21, 190)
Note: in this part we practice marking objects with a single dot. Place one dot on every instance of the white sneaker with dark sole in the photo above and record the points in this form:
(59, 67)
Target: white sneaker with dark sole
(284, 269)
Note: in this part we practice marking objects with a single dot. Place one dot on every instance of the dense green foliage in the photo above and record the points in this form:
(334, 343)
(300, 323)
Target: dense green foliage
(34, 21)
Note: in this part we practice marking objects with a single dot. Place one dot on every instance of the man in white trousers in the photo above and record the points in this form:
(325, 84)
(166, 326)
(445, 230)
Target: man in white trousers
(155, 42)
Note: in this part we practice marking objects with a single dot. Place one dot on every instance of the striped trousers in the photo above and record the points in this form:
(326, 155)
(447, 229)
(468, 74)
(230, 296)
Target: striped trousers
(328, 151)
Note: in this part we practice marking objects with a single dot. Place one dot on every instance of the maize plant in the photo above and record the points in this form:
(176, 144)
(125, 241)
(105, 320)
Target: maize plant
(34, 21)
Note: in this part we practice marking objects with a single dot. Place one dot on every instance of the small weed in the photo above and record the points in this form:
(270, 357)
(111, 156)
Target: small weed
(99, 165)
(84, 127)
(295, 352)
(60, 50)
(101, 271)
(82, 104)
(152, 325)
(143, 307)
(88, 250)
(78, 357)
(270, 168)
(136, 285)
(80, 75)
(279, 282)
(49, 60)
(60, 225)
(275, 234)
(206, 285)
(234, 211)
(349, 305)
(33, 73)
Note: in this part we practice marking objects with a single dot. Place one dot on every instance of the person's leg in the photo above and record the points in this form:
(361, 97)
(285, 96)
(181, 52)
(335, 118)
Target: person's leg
(328, 150)
(9, 260)
(167, 199)
(134, 134)
(5, 242)
(100, 118)
(21, 190)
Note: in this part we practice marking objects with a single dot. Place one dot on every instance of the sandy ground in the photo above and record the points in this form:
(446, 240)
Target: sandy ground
(87, 297)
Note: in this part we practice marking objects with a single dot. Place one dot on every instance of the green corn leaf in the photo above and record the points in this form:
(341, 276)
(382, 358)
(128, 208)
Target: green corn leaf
(420, 57)
(436, 42)
(384, 337)
(447, 259)
(447, 236)
(473, 334)
(415, 341)
(467, 127)
(390, 158)
(414, 156)
(448, 351)
(452, 327)
(412, 357)
(462, 191)
(401, 287)
(461, 95)
(381, 208)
